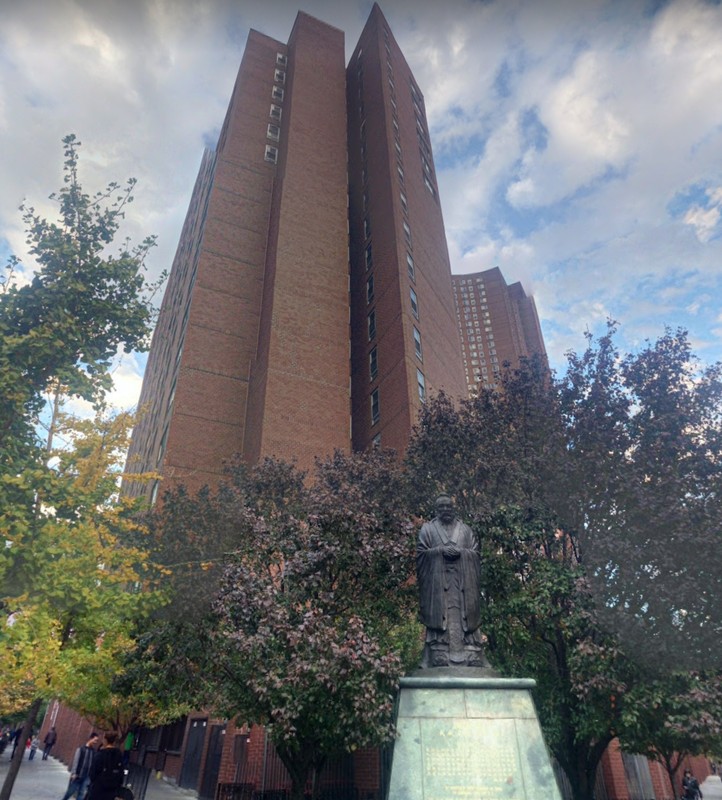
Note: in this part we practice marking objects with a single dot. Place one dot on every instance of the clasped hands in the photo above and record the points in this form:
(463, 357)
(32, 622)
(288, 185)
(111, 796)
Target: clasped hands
(451, 552)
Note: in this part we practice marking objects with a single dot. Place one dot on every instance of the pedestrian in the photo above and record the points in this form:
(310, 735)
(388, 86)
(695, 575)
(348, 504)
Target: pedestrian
(690, 787)
(50, 738)
(34, 744)
(106, 774)
(15, 738)
(80, 768)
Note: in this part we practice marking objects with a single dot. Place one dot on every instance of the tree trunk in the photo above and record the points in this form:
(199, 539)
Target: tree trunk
(298, 765)
(20, 750)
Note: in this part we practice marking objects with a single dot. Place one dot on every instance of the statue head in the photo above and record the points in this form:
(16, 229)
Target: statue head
(445, 508)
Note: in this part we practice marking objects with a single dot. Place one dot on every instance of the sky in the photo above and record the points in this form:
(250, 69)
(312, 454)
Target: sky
(577, 143)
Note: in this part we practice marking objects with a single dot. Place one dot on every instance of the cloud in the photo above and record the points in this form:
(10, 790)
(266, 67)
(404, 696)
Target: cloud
(703, 220)
(578, 146)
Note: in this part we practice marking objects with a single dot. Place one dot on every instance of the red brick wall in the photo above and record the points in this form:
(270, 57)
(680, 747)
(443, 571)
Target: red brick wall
(381, 116)
(299, 401)
(615, 778)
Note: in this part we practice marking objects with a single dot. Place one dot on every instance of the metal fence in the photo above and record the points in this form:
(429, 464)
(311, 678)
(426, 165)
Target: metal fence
(136, 779)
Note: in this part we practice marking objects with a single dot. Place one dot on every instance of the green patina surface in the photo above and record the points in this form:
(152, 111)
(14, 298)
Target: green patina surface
(477, 741)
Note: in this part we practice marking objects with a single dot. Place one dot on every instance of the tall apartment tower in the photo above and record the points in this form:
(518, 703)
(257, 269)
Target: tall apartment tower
(497, 323)
(309, 306)
(404, 341)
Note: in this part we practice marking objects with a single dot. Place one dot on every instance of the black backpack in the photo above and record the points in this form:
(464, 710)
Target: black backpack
(111, 772)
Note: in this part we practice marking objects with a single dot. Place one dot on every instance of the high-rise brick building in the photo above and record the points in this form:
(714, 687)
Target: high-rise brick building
(497, 323)
(309, 306)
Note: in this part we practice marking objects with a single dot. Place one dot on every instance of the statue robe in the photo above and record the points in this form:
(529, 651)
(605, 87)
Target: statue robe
(437, 578)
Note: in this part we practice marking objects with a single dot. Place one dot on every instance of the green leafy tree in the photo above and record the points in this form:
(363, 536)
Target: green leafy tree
(66, 558)
(315, 618)
(650, 521)
(596, 498)
(670, 717)
(503, 456)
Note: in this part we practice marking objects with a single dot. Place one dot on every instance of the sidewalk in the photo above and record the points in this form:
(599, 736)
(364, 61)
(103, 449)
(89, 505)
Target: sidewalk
(48, 780)
(712, 788)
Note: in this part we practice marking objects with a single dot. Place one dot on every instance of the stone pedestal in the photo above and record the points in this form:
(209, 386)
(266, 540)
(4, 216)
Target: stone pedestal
(462, 737)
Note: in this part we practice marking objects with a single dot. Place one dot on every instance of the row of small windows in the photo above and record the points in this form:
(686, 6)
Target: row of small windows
(273, 131)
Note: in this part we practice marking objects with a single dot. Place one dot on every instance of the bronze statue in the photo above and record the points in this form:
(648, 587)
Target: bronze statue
(448, 571)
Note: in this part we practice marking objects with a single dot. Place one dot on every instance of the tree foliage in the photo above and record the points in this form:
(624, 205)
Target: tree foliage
(648, 441)
(313, 623)
(80, 307)
(596, 499)
(73, 555)
(672, 716)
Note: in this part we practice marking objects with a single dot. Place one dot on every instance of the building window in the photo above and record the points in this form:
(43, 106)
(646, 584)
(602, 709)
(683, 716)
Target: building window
(414, 303)
(281, 60)
(404, 202)
(370, 289)
(276, 112)
(373, 364)
(417, 345)
(400, 172)
(369, 257)
(407, 232)
(372, 324)
(279, 76)
(429, 186)
(277, 93)
(397, 147)
(274, 132)
(421, 382)
(376, 441)
(375, 410)
(367, 228)
(410, 267)
(271, 154)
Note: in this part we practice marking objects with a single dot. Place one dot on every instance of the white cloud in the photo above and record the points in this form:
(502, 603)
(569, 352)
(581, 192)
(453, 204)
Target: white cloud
(703, 220)
(625, 104)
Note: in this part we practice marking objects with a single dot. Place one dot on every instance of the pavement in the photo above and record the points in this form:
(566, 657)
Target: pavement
(48, 780)
(712, 788)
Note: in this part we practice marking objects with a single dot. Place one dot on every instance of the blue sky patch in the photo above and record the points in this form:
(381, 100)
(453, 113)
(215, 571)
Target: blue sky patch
(693, 195)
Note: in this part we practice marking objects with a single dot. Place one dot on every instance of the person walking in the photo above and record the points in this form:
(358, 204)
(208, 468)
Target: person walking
(50, 738)
(80, 768)
(690, 787)
(107, 773)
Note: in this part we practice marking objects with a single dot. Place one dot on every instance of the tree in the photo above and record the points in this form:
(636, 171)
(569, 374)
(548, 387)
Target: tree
(64, 560)
(81, 305)
(503, 457)
(315, 619)
(597, 500)
(650, 526)
(674, 716)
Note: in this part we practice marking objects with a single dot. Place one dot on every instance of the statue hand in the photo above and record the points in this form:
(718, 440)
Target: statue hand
(451, 552)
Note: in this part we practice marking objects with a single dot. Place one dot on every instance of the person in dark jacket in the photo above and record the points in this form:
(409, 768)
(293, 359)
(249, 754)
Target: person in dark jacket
(690, 787)
(50, 738)
(107, 774)
(80, 769)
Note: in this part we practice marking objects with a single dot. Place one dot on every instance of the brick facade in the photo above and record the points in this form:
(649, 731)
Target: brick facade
(497, 324)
